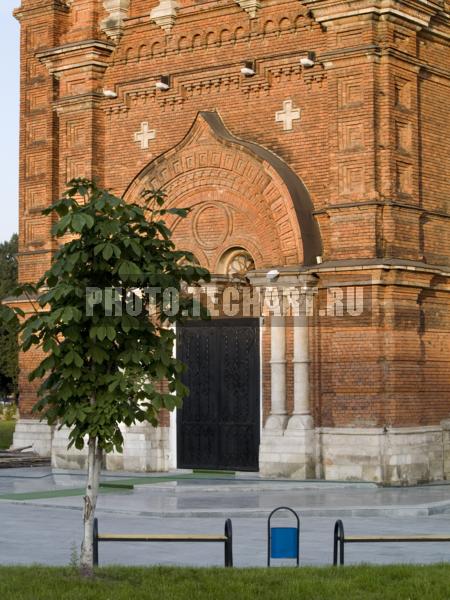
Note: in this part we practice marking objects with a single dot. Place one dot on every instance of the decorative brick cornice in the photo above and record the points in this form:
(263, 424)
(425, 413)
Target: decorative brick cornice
(417, 12)
(83, 102)
(87, 54)
(113, 24)
(31, 9)
(165, 14)
(250, 6)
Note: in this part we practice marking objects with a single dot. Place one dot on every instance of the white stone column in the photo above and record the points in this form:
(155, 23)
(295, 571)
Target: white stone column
(288, 445)
(301, 417)
(278, 412)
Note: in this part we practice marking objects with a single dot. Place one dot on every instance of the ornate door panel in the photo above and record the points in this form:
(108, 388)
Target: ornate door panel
(219, 424)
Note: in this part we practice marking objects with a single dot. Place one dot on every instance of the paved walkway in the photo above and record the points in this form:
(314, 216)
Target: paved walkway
(41, 517)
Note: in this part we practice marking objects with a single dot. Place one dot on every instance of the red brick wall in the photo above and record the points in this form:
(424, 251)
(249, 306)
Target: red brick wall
(372, 147)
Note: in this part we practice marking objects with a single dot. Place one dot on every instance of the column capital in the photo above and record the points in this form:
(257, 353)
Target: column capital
(165, 14)
(117, 11)
(250, 6)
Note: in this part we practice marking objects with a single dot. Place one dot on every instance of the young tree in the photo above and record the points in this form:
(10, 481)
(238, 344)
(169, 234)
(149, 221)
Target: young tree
(9, 368)
(106, 361)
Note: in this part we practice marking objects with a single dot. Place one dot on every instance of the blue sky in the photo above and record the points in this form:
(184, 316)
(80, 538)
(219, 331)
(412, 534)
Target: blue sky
(9, 118)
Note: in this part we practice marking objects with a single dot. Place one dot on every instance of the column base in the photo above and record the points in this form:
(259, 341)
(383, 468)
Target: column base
(288, 454)
(298, 424)
(276, 424)
(30, 432)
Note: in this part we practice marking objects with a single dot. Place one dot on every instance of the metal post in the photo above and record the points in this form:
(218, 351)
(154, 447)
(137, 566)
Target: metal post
(338, 543)
(228, 543)
(95, 542)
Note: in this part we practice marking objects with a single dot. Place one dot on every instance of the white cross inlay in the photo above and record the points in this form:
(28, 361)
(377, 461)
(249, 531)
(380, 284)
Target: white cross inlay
(144, 135)
(288, 115)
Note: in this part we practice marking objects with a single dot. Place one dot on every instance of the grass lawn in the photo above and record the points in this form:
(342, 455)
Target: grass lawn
(120, 583)
(6, 433)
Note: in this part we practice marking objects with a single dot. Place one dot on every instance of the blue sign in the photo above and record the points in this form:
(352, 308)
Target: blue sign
(284, 542)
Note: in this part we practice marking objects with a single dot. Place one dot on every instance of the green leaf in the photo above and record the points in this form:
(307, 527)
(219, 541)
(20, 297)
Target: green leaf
(98, 248)
(78, 360)
(98, 354)
(62, 225)
(107, 251)
(111, 333)
(160, 371)
(128, 323)
(67, 314)
(69, 358)
(78, 222)
(101, 333)
(90, 221)
(128, 270)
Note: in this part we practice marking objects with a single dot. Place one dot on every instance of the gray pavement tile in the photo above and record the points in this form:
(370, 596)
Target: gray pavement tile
(48, 530)
(32, 534)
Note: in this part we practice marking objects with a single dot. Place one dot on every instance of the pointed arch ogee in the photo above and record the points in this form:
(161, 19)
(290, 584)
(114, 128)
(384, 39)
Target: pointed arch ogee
(271, 164)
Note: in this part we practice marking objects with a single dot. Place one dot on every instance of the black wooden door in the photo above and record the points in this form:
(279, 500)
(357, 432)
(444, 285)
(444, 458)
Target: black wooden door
(219, 424)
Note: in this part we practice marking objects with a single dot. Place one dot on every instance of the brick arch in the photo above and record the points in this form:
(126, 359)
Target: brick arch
(245, 194)
(232, 223)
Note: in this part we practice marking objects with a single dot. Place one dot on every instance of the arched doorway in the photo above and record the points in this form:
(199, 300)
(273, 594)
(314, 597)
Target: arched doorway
(248, 210)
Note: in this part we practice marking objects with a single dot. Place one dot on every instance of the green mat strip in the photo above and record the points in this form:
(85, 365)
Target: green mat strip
(117, 486)
(212, 472)
(125, 485)
(52, 494)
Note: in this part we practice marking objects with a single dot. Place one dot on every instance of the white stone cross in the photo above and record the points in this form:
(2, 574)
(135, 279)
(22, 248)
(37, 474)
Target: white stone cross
(144, 135)
(288, 115)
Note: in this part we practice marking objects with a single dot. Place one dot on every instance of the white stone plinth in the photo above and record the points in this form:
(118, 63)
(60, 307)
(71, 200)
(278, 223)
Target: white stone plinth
(64, 458)
(30, 432)
(404, 455)
(145, 449)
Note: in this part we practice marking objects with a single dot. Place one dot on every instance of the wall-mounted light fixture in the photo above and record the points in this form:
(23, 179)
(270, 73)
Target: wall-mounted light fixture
(309, 60)
(109, 94)
(163, 83)
(249, 68)
(272, 275)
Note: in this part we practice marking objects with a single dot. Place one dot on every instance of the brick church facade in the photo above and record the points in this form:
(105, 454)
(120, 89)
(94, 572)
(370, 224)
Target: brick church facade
(324, 165)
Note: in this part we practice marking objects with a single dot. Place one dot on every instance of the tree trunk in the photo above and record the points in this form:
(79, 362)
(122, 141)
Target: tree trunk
(90, 501)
